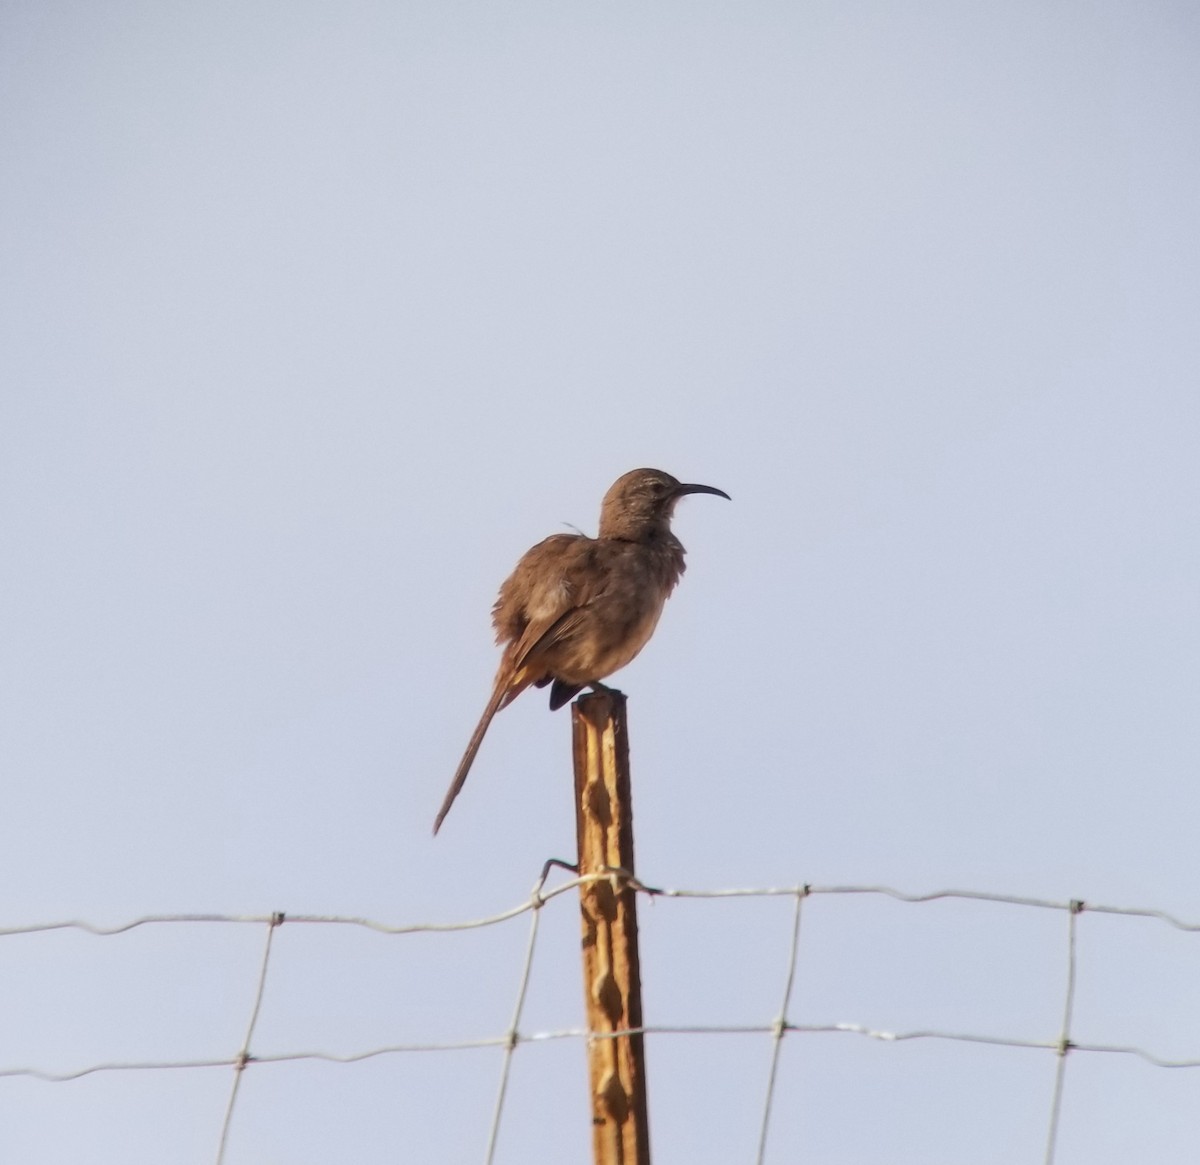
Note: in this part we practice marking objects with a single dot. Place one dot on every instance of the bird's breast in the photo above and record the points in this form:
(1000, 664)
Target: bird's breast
(619, 619)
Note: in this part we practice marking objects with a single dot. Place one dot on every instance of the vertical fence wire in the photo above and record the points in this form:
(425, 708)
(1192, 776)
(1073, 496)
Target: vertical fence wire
(1064, 1039)
(243, 1057)
(781, 1025)
(514, 1037)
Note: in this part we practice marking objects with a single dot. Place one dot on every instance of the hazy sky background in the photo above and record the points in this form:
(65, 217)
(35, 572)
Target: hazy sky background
(315, 316)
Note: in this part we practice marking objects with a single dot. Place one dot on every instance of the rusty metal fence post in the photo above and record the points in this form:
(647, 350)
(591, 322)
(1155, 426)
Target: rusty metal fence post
(611, 974)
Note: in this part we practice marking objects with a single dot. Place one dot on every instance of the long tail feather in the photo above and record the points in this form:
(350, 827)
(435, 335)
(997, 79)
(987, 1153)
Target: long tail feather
(499, 692)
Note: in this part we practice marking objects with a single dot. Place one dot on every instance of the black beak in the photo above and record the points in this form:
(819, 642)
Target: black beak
(701, 489)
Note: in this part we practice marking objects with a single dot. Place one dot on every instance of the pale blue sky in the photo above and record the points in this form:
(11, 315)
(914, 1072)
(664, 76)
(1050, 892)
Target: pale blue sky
(314, 317)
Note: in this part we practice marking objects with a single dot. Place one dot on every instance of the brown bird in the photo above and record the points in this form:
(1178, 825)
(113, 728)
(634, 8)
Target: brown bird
(577, 609)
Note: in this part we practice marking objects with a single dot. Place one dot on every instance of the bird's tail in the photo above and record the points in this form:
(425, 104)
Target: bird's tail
(506, 688)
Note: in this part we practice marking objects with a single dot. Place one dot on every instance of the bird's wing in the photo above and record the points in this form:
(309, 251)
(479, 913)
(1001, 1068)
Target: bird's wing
(543, 601)
(533, 592)
(538, 639)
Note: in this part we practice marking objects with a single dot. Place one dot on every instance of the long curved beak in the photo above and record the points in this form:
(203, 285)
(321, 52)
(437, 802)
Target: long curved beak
(702, 489)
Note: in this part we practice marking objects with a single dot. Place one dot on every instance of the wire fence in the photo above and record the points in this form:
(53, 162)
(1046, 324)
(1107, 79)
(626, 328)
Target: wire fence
(779, 1027)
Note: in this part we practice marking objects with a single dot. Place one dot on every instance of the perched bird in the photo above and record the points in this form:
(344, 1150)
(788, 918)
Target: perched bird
(577, 609)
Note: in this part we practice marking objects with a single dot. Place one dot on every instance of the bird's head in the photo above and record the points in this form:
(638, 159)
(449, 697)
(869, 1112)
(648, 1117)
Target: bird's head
(641, 502)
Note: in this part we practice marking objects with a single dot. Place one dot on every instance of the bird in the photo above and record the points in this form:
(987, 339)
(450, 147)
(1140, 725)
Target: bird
(576, 609)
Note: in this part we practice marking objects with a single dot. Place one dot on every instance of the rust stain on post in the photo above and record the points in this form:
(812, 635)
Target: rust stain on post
(611, 975)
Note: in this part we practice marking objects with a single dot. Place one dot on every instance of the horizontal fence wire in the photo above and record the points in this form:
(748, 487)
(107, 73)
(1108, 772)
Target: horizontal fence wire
(1062, 1045)
(806, 890)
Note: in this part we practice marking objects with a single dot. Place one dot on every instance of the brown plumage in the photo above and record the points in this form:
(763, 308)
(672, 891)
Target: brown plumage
(577, 609)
